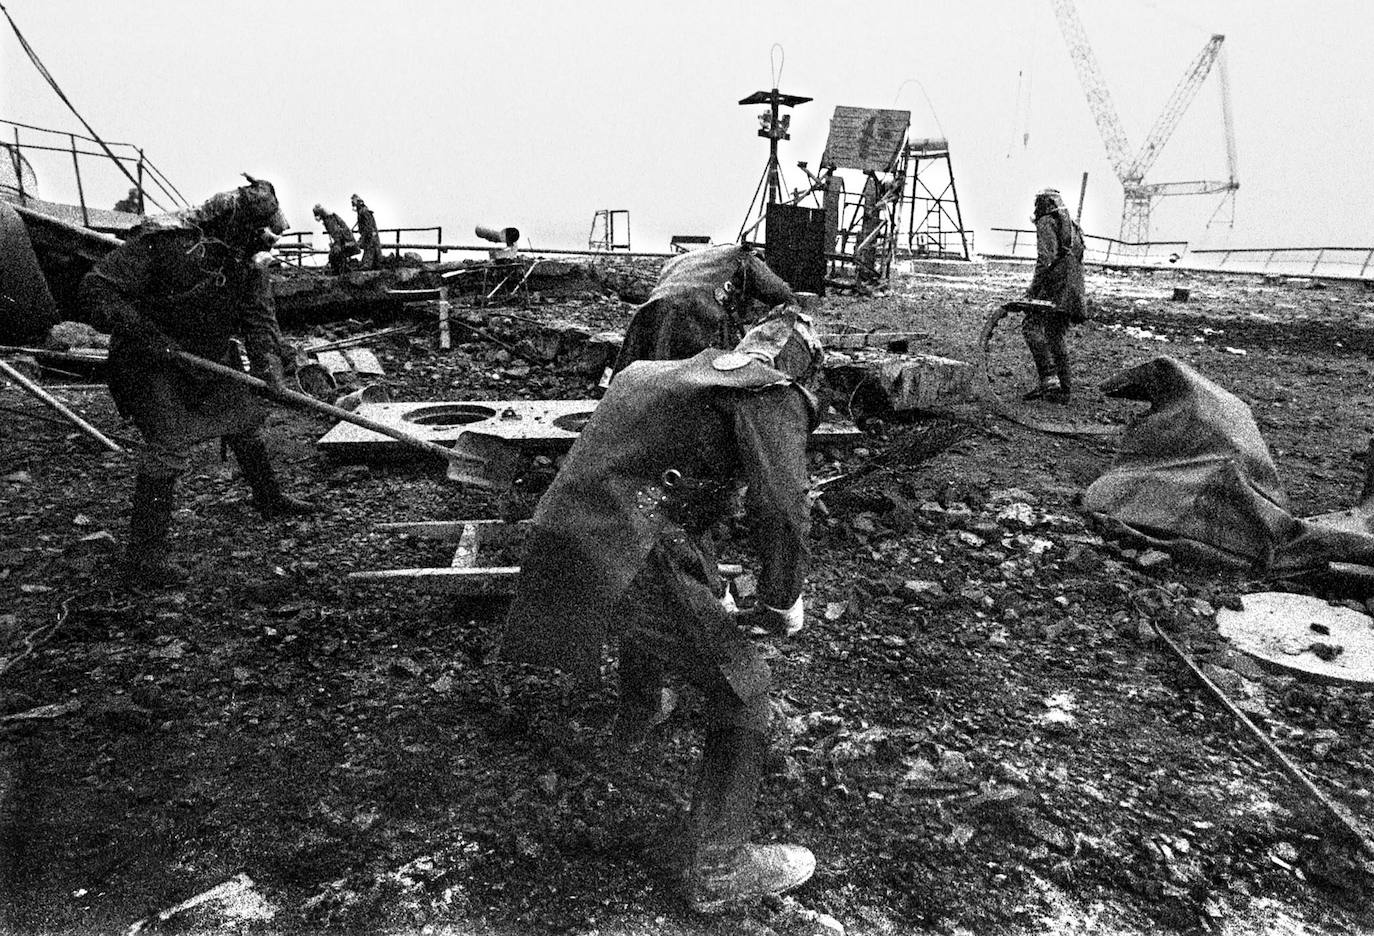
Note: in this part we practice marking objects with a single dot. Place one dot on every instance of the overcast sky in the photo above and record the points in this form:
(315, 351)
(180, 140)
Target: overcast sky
(535, 115)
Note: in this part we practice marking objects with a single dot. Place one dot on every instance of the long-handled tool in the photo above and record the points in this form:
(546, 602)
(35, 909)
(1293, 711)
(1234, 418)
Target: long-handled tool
(23, 382)
(302, 400)
(1337, 812)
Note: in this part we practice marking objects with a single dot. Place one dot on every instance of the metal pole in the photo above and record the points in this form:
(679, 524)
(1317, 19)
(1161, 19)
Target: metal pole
(1291, 769)
(80, 192)
(1082, 191)
(47, 398)
(309, 402)
(140, 181)
(19, 167)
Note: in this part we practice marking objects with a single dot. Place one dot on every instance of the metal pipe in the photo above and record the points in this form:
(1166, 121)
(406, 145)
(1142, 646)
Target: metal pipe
(309, 402)
(80, 190)
(1291, 769)
(52, 401)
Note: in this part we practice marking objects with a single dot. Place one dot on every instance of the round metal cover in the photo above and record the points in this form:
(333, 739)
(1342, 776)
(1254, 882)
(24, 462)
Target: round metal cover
(449, 414)
(731, 360)
(1299, 634)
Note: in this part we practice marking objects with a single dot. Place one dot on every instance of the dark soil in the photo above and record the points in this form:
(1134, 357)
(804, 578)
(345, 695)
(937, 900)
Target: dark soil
(977, 732)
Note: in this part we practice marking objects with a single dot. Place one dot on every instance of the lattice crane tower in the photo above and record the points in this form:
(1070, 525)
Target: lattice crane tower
(1139, 196)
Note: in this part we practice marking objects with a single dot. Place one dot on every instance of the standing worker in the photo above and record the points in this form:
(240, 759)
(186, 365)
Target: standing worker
(368, 237)
(194, 286)
(613, 552)
(342, 246)
(1058, 279)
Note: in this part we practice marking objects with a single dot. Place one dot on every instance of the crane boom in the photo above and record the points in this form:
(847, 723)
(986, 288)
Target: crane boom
(1225, 81)
(1174, 108)
(1094, 87)
(1138, 195)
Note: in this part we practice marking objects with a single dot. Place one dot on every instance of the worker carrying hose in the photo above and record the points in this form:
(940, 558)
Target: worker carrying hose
(191, 285)
(1058, 278)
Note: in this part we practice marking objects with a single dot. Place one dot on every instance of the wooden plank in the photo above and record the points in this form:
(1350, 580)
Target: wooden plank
(363, 361)
(465, 556)
(447, 530)
(491, 581)
(865, 138)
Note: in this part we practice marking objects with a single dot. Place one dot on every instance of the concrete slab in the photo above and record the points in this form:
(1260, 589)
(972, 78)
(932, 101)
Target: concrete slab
(954, 267)
(535, 426)
(925, 381)
(1303, 636)
(529, 427)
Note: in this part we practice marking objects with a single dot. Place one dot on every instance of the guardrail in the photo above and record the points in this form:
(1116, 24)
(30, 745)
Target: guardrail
(294, 249)
(147, 188)
(1329, 262)
(1348, 263)
(1020, 244)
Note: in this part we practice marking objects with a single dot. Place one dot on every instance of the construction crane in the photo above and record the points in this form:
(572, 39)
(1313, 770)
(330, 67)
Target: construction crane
(1140, 195)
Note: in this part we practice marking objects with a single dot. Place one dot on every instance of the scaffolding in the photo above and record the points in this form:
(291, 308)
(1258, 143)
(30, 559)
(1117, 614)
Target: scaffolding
(930, 218)
(608, 226)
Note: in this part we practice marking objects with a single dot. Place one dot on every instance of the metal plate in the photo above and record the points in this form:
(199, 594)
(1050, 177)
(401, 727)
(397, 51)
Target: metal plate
(540, 427)
(1278, 629)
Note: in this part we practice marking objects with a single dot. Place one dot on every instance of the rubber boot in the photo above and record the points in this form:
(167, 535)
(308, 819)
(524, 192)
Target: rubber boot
(644, 703)
(146, 564)
(1045, 369)
(1060, 353)
(724, 869)
(268, 498)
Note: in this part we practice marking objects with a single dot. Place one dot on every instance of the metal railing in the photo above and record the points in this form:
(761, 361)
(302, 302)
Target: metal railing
(1332, 262)
(149, 189)
(1020, 244)
(293, 247)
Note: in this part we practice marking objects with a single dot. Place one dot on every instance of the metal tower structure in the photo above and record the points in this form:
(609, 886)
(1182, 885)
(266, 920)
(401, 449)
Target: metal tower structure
(773, 127)
(1139, 196)
(930, 211)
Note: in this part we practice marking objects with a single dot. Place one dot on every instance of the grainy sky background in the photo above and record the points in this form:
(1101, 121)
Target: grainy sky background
(537, 114)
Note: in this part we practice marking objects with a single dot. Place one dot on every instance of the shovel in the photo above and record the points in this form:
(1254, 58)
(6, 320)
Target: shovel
(455, 459)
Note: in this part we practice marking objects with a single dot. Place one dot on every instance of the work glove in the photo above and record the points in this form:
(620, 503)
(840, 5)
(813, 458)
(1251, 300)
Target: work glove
(780, 622)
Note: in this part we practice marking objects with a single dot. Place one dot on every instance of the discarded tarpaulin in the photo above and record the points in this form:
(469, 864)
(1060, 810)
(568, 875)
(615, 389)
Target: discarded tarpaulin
(1194, 477)
(27, 310)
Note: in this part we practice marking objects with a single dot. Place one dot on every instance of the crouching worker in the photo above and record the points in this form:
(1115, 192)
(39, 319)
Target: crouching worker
(702, 300)
(614, 552)
(192, 286)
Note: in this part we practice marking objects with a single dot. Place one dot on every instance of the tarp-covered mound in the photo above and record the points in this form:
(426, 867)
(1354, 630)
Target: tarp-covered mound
(27, 308)
(1194, 477)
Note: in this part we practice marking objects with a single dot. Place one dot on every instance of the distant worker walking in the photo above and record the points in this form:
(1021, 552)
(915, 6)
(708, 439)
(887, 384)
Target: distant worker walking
(1058, 278)
(368, 237)
(342, 245)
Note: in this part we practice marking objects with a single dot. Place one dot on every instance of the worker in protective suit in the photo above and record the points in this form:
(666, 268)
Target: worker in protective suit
(342, 245)
(368, 237)
(613, 553)
(191, 285)
(702, 300)
(1058, 278)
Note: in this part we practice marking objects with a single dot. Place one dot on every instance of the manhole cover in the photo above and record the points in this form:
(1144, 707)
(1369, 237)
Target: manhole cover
(572, 422)
(1303, 636)
(449, 414)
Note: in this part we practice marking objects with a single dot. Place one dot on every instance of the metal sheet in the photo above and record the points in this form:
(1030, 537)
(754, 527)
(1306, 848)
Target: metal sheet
(865, 138)
(1279, 630)
(547, 427)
